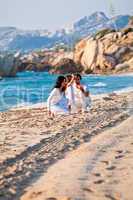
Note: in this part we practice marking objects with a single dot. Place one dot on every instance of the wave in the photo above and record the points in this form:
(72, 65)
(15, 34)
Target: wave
(20, 105)
(27, 105)
(100, 84)
(128, 89)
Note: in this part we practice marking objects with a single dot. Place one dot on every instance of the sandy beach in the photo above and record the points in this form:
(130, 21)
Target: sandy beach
(100, 169)
(89, 153)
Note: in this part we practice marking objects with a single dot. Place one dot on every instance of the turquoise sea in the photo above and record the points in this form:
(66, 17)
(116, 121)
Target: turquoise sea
(33, 87)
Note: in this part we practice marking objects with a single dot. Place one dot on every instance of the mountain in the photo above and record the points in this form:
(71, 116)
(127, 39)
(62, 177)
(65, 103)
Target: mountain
(90, 24)
(14, 39)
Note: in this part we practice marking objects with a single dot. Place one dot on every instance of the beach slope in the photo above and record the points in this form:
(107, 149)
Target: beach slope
(100, 169)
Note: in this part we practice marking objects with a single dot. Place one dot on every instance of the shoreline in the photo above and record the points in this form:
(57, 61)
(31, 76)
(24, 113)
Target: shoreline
(95, 88)
(93, 97)
(32, 142)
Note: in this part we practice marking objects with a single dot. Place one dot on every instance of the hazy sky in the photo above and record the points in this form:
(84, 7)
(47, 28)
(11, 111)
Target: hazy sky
(52, 14)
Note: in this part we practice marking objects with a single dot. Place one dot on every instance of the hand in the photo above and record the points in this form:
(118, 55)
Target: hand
(73, 77)
(49, 112)
(87, 94)
(80, 87)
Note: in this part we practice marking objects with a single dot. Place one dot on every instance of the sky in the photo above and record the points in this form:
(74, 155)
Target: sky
(54, 14)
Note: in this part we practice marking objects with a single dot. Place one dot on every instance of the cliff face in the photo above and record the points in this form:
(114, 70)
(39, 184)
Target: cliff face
(103, 52)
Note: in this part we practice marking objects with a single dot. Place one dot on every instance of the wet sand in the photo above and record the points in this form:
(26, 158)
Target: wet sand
(31, 142)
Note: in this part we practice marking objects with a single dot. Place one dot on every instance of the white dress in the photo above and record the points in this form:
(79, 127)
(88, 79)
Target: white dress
(57, 103)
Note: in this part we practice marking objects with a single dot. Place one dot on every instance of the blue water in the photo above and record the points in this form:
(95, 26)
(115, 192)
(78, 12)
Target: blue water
(33, 87)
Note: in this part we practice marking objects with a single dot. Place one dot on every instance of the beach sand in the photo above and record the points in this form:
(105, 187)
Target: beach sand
(33, 146)
(98, 170)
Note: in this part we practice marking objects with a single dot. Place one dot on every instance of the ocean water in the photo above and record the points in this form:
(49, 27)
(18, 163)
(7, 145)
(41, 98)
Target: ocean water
(34, 87)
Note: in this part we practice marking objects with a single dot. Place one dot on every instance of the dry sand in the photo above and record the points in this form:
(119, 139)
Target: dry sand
(101, 169)
(31, 142)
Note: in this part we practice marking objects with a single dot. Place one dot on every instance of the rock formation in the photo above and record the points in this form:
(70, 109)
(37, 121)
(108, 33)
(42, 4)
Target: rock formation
(66, 65)
(126, 66)
(37, 67)
(46, 61)
(8, 65)
(103, 52)
(106, 52)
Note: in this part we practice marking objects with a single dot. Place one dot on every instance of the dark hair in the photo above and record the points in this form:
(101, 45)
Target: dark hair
(68, 76)
(78, 75)
(59, 81)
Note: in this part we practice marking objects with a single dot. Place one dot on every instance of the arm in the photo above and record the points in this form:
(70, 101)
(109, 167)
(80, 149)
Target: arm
(72, 80)
(87, 93)
(83, 90)
(51, 96)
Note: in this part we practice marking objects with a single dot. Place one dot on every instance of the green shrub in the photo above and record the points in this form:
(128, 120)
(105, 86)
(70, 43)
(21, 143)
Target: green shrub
(88, 71)
(102, 33)
(127, 30)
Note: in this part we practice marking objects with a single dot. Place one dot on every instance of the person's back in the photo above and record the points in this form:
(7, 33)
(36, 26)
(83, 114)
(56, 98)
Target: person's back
(56, 102)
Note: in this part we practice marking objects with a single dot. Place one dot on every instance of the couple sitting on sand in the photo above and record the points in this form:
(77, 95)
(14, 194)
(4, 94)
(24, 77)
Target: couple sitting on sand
(68, 96)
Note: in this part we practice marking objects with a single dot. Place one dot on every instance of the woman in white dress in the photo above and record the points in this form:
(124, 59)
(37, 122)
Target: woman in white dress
(57, 103)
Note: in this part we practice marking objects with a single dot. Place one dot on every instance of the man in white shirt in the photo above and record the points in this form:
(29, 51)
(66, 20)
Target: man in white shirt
(77, 94)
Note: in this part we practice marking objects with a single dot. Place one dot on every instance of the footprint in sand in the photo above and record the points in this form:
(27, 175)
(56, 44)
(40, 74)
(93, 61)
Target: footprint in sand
(119, 151)
(111, 168)
(119, 156)
(97, 174)
(105, 161)
(88, 190)
(112, 197)
(98, 181)
(53, 198)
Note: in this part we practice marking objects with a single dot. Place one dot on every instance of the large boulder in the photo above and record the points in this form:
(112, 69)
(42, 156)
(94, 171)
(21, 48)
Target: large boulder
(45, 61)
(104, 51)
(66, 65)
(8, 65)
(121, 67)
(37, 67)
(56, 57)
(130, 62)
(125, 67)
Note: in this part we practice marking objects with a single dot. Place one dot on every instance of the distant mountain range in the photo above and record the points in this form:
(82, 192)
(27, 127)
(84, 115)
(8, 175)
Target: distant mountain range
(14, 39)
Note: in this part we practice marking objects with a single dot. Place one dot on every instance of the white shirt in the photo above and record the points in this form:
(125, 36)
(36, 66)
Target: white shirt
(54, 98)
(80, 99)
(78, 94)
(69, 93)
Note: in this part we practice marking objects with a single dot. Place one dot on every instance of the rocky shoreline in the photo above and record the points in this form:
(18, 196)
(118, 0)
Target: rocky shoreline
(107, 52)
(31, 141)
